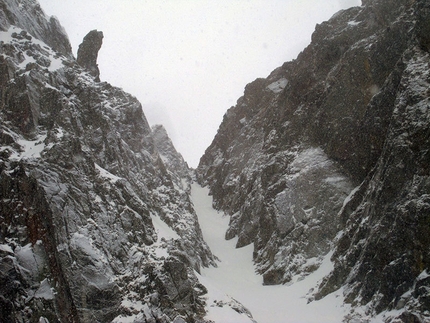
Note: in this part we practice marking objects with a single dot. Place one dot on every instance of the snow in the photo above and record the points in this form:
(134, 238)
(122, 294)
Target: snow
(235, 278)
(354, 23)
(162, 229)
(45, 290)
(164, 233)
(105, 174)
(30, 148)
(6, 248)
(278, 86)
(6, 36)
(56, 62)
(216, 301)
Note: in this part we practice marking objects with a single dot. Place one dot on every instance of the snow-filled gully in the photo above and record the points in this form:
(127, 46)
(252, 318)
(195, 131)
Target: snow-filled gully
(235, 279)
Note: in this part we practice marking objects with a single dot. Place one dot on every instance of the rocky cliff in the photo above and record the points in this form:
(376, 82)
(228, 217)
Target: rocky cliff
(331, 152)
(96, 223)
(327, 155)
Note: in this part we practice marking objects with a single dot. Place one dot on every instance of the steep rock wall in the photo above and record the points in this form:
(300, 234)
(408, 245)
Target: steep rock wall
(95, 226)
(327, 142)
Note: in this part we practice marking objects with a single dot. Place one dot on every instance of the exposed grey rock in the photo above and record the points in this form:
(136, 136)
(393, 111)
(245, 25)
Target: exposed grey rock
(88, 52)
(329, 153)
(357, 97)
(383, 252)
(83, 190)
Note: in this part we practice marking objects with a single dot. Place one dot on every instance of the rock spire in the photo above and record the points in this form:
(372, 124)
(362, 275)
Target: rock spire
(88, 52)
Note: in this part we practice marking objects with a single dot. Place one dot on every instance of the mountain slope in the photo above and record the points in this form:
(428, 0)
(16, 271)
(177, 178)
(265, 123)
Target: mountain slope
(95, 224)
(331, 152)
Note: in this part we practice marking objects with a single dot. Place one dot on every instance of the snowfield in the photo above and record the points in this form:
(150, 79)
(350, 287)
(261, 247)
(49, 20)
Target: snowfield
(235, 278)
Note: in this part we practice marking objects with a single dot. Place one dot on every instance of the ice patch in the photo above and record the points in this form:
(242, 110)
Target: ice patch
(350, 196)
(80, 241)
(26, 256)
(334, 179)
(49, 86)
(424, 274)
(309, 159)
(374, 89)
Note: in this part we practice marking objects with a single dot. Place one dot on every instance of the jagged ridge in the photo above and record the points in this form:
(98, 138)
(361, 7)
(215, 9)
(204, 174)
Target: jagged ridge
(96, 224)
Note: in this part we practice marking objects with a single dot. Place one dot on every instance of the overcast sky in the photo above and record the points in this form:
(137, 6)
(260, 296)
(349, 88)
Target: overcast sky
(188, 61)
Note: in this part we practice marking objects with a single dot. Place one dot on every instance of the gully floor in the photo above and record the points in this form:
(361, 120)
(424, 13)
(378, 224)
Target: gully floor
(235, 278)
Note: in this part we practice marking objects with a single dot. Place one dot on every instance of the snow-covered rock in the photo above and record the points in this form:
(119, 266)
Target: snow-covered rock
(29, 16)
(330, 152)
(95, 223)
(322, 168)
(173, 160)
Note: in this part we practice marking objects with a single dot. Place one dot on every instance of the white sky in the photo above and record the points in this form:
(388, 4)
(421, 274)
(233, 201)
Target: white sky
(188, 61)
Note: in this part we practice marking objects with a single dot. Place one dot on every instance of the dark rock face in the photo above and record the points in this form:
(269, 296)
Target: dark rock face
(83, 190)
(88, 52)
(383, 253)
(350, 111)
